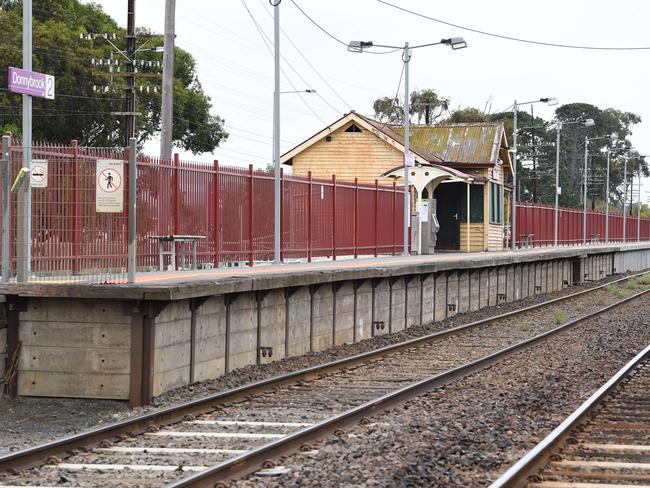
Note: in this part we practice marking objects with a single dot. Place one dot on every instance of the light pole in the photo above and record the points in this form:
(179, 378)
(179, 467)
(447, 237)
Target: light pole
(277, 226)
(359, 47)
(558, 129)
(513, 225)
(638, 210)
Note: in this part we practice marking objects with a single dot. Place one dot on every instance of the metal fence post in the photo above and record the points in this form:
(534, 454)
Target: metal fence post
(376, 218)
(76, 204)
(356, 218)
(216, 231)
(282, 222)
(133, 197)
(334, 217)
(6, 208)
(251, 258)
(309, 197)
(392, 218)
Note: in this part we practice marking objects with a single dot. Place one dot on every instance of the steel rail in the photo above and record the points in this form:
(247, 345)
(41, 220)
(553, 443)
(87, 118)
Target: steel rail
(66, 446)
(252, 460)
(517, 475)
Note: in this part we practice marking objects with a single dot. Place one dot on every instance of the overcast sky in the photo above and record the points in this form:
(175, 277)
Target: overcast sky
(236, 69)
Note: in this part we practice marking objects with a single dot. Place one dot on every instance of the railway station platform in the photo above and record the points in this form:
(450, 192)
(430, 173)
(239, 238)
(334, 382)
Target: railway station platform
(169, 329)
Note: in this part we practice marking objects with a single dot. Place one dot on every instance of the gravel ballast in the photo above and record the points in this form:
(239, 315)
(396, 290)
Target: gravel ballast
(470, 431)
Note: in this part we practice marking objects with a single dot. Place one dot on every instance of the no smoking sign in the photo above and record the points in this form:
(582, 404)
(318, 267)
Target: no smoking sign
(38, 173)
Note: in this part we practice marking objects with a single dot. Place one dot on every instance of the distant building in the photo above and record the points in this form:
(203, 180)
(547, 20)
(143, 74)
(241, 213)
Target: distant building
(449, 159)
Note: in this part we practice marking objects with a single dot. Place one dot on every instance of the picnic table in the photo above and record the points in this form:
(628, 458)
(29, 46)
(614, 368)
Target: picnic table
(173, 239)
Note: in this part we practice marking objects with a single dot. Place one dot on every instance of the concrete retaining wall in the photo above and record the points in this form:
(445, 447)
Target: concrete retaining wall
(77, 348)
(138, 349)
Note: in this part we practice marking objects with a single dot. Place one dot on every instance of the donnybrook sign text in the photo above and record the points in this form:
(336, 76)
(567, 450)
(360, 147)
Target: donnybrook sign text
(31, 83)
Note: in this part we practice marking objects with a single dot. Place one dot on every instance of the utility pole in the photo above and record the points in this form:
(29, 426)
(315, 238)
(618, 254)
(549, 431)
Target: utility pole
(607, 197)
(556, 216)
(584, 194)
(513, 224)
(638, 209)
(532, 132)
(129, 102)
(625, 199)
(166, 116)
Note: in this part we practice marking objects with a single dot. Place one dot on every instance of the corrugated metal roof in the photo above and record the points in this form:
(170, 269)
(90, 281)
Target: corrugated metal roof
(458, 143)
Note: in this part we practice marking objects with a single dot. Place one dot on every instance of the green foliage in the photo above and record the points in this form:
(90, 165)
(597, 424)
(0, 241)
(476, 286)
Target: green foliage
(79, 112)
(467, 115)
(428, 104)
(611, 288)
(620, 294)
(524, 327)
(388, 110)
(559, 316)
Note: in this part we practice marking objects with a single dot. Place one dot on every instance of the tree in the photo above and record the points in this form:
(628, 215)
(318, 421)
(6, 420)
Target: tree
(84, 102)
(467, 115)
(388, 110)
(572, 149)
(426, 103)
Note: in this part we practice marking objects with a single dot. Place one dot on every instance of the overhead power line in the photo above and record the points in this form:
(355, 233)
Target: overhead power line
(268, 47)
(517, 39)
(308, 62)
(329, 34)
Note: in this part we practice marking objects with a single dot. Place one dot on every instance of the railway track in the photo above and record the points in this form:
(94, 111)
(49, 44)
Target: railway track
(603, 444)
(211, 440)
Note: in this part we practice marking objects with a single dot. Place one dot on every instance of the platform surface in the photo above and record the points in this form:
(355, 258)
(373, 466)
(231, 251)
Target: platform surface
(171, 285)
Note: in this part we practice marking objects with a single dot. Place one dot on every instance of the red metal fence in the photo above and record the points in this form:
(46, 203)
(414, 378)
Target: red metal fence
(231, 207)
(537, 220)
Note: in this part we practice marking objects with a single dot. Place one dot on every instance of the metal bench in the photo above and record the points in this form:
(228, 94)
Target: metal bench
(173, 239)
(526, 240)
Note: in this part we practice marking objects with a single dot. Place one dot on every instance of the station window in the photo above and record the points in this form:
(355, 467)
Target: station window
(496, 204)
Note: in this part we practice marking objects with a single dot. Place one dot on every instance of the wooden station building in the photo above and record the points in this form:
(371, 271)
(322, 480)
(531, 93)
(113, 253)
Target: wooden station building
(450, 159)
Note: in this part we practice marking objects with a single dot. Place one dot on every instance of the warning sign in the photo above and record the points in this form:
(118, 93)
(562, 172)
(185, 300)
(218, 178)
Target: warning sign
(38, 173)
(109, 186)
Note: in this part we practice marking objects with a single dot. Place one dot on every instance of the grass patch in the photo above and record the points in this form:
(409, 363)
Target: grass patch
(525, 327)
(644, 280)
(559, 316)
(611, 288)
(580, 306)
(632, 285)
(620, 294)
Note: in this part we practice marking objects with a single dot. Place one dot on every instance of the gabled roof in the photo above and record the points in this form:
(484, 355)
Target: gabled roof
(380, 130)
(481, 143)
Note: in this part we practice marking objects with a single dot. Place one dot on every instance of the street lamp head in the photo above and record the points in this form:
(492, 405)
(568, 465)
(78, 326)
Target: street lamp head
(549, 101)
(358, 46)
(454, 42)
(310, 90)
(158, 49)
(589, 122)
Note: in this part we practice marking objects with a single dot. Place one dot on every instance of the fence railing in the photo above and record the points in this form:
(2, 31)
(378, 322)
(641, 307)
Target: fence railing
(231, 207)
(535, 225)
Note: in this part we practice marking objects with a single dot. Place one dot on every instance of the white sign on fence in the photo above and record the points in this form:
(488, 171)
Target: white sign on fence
(38, 173)
(109, 186)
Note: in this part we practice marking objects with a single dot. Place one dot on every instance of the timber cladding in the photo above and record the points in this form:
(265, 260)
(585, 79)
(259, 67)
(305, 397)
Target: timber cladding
(349, 155)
